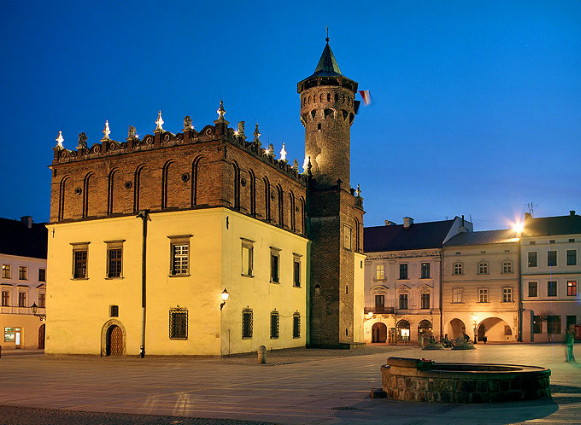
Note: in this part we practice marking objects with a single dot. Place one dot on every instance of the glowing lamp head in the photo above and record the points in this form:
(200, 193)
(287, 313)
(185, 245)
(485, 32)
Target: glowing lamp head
(224, 295)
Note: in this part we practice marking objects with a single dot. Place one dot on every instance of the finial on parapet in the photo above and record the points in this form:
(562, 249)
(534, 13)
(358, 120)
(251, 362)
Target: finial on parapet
(221, 112)
(106, 131)
(240, 131)
(82, 141)
(358, 191)
(295, 165)
(256, 135)
(59, 141)
(159, 123)
(270, 150)
(283, 153)
(188, 123)
(131, 133)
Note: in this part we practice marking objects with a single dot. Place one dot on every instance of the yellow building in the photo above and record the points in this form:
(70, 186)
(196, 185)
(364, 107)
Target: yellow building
(203, 242)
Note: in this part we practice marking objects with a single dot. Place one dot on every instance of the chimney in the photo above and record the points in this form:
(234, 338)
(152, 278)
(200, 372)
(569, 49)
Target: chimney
(572, 213)
(407, 222)
(27, 220)
(528, 216)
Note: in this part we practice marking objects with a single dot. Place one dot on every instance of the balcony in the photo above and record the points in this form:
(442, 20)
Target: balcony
(380, 310)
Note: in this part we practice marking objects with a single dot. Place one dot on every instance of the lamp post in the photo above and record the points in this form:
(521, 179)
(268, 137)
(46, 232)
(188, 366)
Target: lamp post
(34, 309)
(224, 295)
(475, 323)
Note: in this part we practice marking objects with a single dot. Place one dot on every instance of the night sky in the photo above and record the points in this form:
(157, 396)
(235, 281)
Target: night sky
(476, 104)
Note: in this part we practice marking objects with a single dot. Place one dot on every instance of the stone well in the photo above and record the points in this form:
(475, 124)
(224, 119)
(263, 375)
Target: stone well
(425, 380)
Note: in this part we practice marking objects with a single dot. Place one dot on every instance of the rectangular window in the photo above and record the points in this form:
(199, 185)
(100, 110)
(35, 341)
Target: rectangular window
(570, 321)
(571, 288)
(22, 299)
(296, 325)
(380, 272)
(425, 273)
(403, 271)
(10, 334)
(507, 267)
(42, 275)
(571, 257)
(247, 324)
(533, 289)
(180, 259)
(553, 325)
(247, 257)
(458, 295)
(532, 257)
(296, 270)
(274, 325)
(425, 301)
(483, 295)
(403, 301)
(379, 303)
(482, 268)
(551, 258)
(41, 300)
(457, 269)
(6, 274)
(114, 261)
(23, 273)
(537, 325)
(80, 255)
(552, 288)
(5, 299)
(178, 323)
(507, 295)
(114, 310)
(274, 265)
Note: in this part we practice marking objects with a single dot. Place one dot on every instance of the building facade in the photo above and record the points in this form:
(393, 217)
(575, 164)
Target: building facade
(22, 283)
(551, 272)
(403, 279)
(480, 286)
(204, 243)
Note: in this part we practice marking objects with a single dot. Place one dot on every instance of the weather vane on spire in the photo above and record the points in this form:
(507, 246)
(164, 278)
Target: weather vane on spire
(327, 39)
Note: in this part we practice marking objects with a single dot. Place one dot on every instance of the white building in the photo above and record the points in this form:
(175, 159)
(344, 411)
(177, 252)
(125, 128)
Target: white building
(551, 272)
(402, 279)
(22, 283)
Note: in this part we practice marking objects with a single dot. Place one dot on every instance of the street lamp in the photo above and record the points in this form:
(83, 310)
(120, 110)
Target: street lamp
(224, 295)
(34, 309)
(475, 323)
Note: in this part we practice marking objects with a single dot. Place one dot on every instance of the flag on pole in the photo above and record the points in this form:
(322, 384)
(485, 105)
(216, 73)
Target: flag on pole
(366, 96)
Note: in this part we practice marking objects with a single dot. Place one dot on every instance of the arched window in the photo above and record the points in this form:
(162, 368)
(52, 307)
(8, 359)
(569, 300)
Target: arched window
(111, 191)
(138, 177)
(236, 171)
(458, 269)
(247, 323)
(195, 169)
(296, 325)
(252, 178)
(274, 325)
(292, 208)
(62, 194)
(280, 205)
(164, 184)
(507, 267)
(483, 267)
(86, 185)
(267, 198)
(425, 328)
(403, 330)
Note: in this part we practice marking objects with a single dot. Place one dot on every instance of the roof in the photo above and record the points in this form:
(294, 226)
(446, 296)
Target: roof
(398, 238)
(327, 65)
(550, 226)
(17, 239)
(481, 238)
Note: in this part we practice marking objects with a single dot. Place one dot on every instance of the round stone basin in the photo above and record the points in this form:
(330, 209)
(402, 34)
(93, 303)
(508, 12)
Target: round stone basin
(425, 380)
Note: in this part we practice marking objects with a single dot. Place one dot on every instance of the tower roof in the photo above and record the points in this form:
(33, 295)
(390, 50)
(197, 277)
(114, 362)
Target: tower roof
(327, 65)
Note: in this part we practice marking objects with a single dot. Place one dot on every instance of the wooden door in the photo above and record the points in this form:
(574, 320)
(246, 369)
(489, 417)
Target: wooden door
(114, 341)
(41, 332)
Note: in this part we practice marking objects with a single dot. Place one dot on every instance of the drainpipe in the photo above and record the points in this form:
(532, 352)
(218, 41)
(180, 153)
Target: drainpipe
(144, 216)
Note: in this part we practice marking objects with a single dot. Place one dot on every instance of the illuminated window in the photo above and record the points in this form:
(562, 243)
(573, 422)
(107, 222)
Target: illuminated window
(571, 257)
(425, 271)
(379, 272)
(506, 295)
(247, 257)
(551, 258)
(403, 271)
(458, 295)
(5, 298)
(532, 259)
(507, 267)
(23, 273)
(296, 270)
(180, 255)
(483, 268)
(457, 269)
(552, 288)
(483, 295)
(247, 323)
(42, 275)
(533, 289)
(274, 265)
(178, 323)
(296, 325)
(572, 288)
(6, 271)
(274, 322)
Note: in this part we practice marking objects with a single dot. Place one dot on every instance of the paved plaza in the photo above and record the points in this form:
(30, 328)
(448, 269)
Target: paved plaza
(295, 387)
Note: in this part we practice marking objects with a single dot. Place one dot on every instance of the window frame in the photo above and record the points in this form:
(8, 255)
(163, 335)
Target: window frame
(6, 271)
(42, 275)
(571, 288)
(274, 325)
(296, 325)
(22, 273)
(297, 269)
(247, 257)
(483, 267)
(425, 272)
(423, 297)
(403, 271)
(483, 295)
(507, 267)
(533, 259)
(571, 257)
(5, 298)
(114, 265)
(457, 295)
(177, 330)
(457, 269)
(275, 265)
(552, 258)
(552, 290)
(380, 272)
(179, 261)
(41, 299)
(507, 295)
(80, 266)
(554, 325)
(403, 301)
(534, 285)
(22, 297)
(247, 323)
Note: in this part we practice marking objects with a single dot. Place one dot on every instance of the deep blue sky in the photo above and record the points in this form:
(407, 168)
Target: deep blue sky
(477, 104)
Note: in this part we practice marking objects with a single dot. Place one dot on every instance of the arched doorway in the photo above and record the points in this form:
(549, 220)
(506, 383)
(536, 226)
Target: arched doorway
(403, 330)
(495, 330)
(379, 332)
(41, 333)
(456, 329)
(424, 330)
(114, 342)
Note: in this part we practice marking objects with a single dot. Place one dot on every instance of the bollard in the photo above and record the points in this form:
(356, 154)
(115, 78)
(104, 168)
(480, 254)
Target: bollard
(262, 354)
